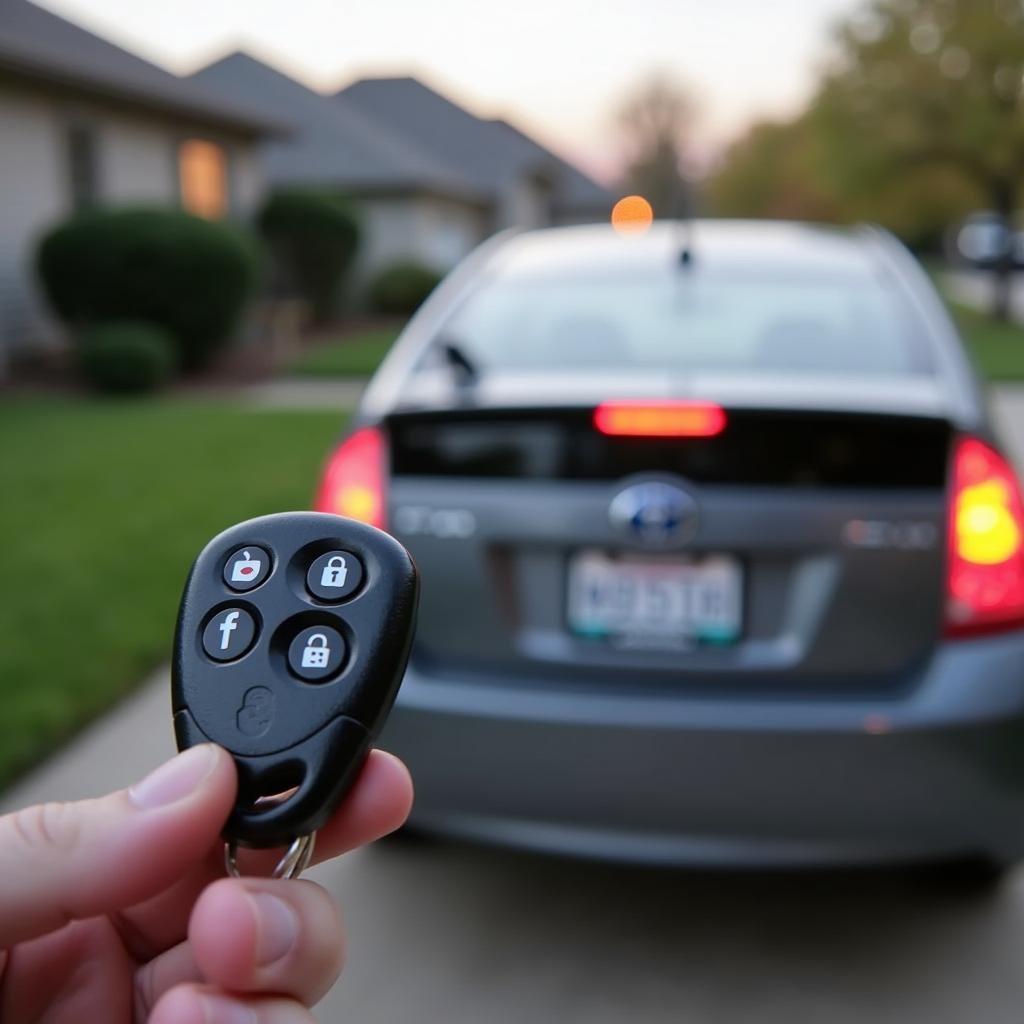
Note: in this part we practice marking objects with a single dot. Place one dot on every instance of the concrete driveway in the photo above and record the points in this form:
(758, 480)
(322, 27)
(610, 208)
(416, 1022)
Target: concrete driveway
(453, 934)
(444, 933)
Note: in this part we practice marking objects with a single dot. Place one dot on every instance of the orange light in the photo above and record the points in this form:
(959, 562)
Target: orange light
(660, 419)
(632, 215)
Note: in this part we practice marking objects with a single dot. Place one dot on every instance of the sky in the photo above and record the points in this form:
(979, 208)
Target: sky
(557, 68)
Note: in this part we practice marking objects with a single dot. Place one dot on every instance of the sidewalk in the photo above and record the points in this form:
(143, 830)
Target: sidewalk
(118, 749)
(974, 288)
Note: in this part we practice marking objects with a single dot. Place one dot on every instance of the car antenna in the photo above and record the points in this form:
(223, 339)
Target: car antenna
(684, 226)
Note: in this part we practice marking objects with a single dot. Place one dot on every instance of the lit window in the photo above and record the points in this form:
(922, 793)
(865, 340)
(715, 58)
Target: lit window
(204, 180)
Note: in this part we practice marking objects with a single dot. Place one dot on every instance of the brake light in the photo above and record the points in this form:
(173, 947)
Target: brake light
(660, 419)
(353, 482)
(986, 543)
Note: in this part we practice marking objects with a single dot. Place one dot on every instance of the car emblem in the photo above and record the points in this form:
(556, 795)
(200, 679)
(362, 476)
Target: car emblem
(656, 514)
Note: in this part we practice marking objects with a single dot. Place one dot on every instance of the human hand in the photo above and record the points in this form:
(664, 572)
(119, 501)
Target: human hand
(117, 909)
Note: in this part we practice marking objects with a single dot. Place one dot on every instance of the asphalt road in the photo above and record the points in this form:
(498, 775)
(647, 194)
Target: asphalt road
(445, 933)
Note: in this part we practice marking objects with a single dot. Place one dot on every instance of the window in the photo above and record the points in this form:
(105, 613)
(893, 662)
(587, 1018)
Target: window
(711, 321)
(202, 168)
(82, 165)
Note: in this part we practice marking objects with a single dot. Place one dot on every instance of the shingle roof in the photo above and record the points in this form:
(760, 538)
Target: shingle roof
(38, 44)
(574, 189)
(489, 152)
(330, 142)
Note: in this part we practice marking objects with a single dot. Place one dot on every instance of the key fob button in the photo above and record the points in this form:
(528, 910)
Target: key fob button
(334, 576)
(246, 568)
(229, 634)
(316, 653)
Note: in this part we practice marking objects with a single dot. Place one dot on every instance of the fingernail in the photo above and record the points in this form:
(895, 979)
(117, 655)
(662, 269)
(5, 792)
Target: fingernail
(176, 779)
(222, 1010)
(277, 928)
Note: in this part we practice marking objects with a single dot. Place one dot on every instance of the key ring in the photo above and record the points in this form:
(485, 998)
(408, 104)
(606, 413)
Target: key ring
(295, 860)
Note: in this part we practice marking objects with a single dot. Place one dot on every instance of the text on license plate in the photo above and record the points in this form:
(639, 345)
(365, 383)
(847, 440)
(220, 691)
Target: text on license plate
(655, 598)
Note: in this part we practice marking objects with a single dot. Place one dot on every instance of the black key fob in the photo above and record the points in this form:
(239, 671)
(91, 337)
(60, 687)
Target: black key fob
(292, 638)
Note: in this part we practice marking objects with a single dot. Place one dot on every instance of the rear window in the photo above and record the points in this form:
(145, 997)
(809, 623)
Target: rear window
(689, 321)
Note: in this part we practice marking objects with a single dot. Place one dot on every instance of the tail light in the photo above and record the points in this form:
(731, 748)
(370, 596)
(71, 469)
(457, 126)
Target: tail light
(354, 479)
(985, 583)
(660, 419)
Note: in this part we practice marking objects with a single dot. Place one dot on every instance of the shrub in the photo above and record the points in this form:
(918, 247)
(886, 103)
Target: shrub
(313, 237)
(401, 287)
(188, 275)
(127, 356)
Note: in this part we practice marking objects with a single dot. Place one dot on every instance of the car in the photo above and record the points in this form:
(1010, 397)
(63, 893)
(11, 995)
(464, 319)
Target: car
(983, 239)
(721, 562)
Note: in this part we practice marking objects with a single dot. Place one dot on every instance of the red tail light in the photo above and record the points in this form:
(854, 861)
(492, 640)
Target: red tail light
(986, 543)
(354, 479)
(660, 419)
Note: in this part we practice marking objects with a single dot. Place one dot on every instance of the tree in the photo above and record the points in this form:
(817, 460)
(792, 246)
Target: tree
(774, 170)
(808, 169)
(924, 86)
(655, 122)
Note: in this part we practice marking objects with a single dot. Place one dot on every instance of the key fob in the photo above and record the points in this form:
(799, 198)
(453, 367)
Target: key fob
(292, 639)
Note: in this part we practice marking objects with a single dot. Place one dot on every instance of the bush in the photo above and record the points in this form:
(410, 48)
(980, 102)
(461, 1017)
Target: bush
(400, 288)
(313, 237)
(165, 267)
(127, 356)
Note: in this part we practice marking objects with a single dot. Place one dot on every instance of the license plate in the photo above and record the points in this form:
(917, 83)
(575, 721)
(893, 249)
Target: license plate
(655, 600)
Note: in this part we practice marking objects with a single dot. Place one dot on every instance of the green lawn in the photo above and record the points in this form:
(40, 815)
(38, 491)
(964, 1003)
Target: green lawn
(355, 354)
(997, 348)
(104, 506)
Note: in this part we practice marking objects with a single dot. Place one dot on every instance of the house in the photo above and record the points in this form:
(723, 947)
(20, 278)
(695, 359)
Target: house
(430, 178)
(84, 122)
(527, 185)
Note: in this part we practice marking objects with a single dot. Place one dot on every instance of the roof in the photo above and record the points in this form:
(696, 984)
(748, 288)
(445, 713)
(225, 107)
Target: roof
(330, 143)
(40, 45)
(490, 153)
(814, 251)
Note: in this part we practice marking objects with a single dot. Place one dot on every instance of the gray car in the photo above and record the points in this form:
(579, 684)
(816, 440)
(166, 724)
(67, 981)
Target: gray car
(720, 561)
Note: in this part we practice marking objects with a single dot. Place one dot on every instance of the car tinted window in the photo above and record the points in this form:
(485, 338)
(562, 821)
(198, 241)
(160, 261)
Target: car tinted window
(689, 321)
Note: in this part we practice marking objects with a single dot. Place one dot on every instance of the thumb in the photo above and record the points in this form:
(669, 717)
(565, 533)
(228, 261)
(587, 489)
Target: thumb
(64, 862)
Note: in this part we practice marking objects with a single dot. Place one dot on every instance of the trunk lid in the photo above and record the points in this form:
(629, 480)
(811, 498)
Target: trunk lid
(833, 517)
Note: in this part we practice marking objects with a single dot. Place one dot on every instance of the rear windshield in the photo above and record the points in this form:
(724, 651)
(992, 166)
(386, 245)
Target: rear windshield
(687, 322)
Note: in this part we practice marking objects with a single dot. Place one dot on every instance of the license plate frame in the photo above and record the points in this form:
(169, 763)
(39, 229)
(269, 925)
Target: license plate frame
(674, 601)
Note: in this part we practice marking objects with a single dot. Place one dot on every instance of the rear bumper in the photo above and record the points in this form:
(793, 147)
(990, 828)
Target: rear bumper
(937, 773)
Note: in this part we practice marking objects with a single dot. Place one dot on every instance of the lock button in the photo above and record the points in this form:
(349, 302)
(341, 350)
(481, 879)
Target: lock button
(316, 653)
(334, 576)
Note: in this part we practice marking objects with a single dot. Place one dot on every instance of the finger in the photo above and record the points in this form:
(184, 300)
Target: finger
(268, 935)
(61, 862)
(253, 935)
(377, 804)
(197, 1004)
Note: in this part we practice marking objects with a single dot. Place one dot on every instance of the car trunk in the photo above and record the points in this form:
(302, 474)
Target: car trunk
(827, 525)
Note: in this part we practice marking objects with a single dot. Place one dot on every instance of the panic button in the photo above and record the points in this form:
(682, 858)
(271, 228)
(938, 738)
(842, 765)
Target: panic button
(246, 568)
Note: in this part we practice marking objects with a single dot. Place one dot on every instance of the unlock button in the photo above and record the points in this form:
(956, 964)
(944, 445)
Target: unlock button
(316, 653)
(334, 576)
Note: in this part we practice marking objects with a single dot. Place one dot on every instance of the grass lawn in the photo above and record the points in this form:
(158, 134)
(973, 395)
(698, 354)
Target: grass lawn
(104, 506)
(997, 348)
(354, 354)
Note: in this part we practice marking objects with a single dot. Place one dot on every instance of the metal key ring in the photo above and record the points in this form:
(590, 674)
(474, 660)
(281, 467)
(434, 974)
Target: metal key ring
(295, 860)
